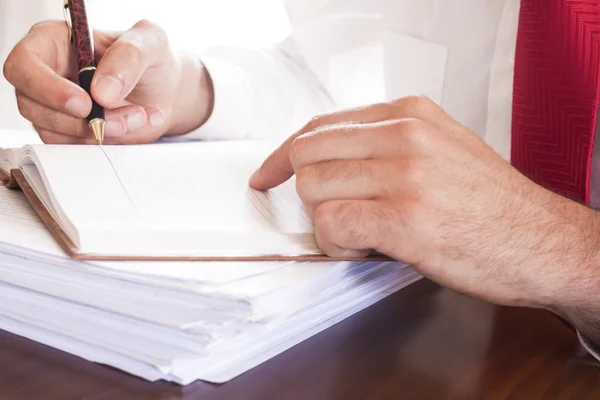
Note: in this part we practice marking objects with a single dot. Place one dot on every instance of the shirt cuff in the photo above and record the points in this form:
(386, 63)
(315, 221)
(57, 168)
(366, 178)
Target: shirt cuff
(232, 110)
(593, 350)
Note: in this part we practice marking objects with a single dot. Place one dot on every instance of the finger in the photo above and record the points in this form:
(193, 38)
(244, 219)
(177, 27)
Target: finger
(277, 168)
(346, 228)
(355, 228)
(118, 122)
(40, 83)
(343, 180)
(125, 62)
(124, 121)
(151, 131)
(102, 42)
(50, 119)
(358, 141)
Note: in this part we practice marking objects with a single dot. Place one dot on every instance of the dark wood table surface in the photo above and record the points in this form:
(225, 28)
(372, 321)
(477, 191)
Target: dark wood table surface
(424, 342)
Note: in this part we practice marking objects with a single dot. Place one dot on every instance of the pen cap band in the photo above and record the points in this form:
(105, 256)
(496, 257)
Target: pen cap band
(85, 81)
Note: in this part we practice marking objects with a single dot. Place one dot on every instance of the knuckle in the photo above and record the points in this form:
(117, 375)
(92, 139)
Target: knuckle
(323, 219)
(341, 224)
(315, 123)
(47, 29)
(338, 223)
(45, 136)
(415, 131)
(134, 50)
(50, 116)
(418, 102)
(37, 26)
(49, 25)
(305, 183)
(296, 150)
(158, 33)
(347, 216)
(386, 110)
(338, 217)
(10, 68)
(419, 106)
(145, 24)
(412, 172)
(23, 107)
(408, 126)
(45, 94)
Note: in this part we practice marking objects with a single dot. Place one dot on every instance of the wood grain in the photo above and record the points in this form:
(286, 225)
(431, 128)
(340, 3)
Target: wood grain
(422, 343)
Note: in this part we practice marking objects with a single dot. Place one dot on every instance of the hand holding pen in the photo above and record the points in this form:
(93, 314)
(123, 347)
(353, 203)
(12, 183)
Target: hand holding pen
(81, 34)
(146, 90)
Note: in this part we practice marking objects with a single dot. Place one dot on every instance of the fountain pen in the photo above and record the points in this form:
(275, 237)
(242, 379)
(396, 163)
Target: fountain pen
(81, 35)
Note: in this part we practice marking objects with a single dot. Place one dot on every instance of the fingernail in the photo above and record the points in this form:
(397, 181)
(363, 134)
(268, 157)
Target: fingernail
(135, 121)
(113, 128)
(109, 89)
(78, 106)
(157, 119)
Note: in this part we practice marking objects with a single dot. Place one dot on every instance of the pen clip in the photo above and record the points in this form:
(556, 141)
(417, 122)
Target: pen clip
(68, 19)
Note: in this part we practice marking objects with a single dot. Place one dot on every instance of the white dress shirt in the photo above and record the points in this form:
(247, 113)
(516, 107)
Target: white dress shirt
(343, 53)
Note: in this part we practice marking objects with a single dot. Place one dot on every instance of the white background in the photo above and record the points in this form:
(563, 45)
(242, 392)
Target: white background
(191, 24)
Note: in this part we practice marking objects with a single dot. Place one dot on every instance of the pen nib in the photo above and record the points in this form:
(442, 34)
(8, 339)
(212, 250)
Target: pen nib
(97, 126)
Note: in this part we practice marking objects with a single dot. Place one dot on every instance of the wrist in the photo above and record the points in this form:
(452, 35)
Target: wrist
(556, 252)
(576, 272)
(577, 298)
(194, 97)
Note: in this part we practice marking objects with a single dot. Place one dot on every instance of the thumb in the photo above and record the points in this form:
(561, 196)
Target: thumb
(102, 42)
(125, 61)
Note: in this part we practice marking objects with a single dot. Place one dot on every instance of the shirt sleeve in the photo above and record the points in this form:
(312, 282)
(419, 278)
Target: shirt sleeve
(589, 347)
(264, 93)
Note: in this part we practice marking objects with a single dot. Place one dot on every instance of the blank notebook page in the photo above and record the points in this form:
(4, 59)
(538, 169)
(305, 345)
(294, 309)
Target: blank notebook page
(177, 188)
(204, 184)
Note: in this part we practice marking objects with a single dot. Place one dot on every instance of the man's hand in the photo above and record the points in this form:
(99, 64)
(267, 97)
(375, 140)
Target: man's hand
(408, 181)
(147, 90)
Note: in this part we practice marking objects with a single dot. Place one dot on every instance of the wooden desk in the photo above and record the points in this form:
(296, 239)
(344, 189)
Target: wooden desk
(422, 343)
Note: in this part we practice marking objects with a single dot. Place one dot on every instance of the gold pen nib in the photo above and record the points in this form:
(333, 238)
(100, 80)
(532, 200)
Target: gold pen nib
(97, 126)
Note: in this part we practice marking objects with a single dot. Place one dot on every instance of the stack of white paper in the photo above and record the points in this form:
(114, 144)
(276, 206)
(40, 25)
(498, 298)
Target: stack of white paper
(177, 321)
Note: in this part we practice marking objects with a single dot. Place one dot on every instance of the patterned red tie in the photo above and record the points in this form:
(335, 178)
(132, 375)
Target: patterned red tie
(556, 93)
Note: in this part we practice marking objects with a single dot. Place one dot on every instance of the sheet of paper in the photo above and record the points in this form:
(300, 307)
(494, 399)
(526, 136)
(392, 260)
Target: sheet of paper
(23, 233)
(174, 199)
(263, 298)
(11, 144)
(225, 365)
(205, 184)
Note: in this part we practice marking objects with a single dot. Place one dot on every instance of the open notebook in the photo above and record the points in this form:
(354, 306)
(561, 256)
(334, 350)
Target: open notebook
(184, 201)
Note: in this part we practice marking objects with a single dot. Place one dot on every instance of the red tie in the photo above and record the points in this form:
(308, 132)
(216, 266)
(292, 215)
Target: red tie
(556, 93)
